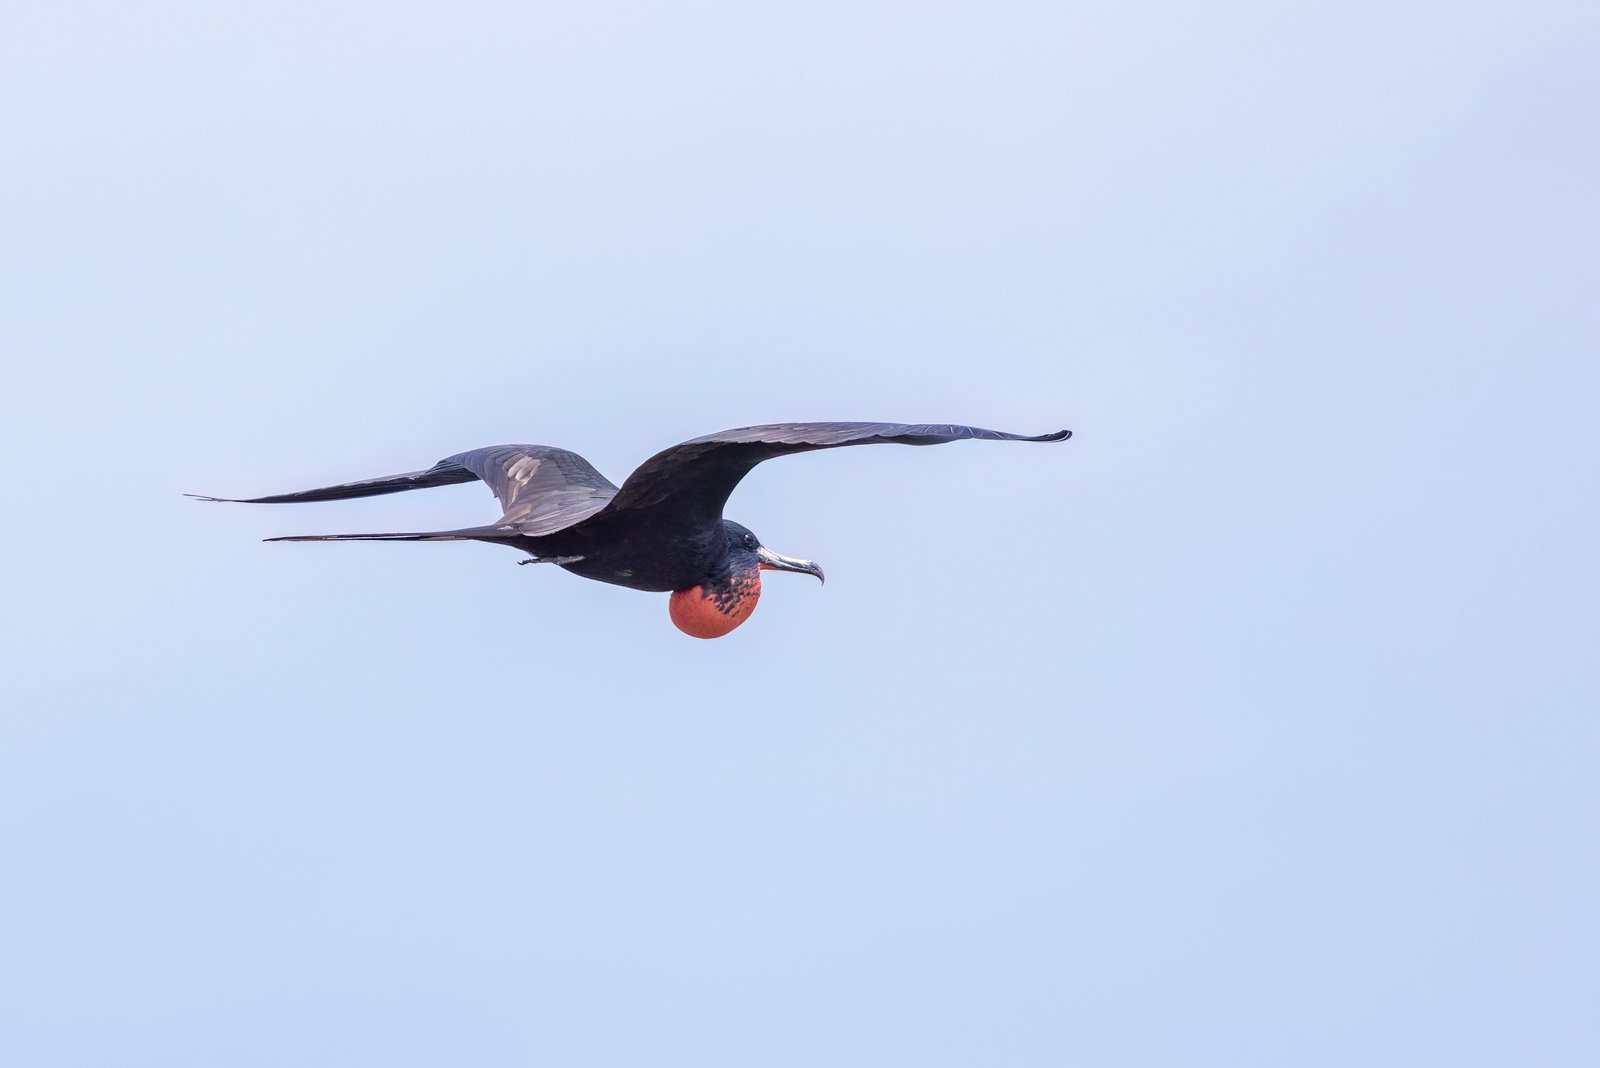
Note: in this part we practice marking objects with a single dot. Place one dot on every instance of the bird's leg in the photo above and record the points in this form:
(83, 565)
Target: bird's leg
(557, 560)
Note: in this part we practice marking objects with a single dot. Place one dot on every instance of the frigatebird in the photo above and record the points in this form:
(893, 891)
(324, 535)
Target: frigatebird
(661, 530)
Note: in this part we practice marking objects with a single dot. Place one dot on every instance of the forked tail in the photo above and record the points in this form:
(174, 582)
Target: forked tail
(491, 534)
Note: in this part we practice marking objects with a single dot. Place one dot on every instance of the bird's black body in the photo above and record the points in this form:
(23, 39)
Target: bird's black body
(661, 530)
(653, 559)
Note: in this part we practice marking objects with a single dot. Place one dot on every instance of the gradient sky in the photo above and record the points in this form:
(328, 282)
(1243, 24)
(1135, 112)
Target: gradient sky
(1256, 725)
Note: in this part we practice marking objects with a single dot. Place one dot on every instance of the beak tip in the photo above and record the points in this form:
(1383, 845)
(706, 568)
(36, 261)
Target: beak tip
(771, 561)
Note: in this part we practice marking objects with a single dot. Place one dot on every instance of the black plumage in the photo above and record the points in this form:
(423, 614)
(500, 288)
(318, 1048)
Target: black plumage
(661, 530)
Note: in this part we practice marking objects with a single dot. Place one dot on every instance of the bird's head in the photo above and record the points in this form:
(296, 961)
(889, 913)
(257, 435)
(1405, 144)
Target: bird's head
(732, 584)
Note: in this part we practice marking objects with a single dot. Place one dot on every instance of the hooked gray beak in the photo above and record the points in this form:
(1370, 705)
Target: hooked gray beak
(771, 561)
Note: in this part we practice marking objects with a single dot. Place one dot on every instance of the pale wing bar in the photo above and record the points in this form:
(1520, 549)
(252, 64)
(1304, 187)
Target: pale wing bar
(542, 489)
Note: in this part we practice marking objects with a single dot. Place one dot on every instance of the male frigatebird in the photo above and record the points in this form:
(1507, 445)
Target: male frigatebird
(661, 530)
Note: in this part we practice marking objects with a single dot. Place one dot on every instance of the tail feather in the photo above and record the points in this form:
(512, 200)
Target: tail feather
(491, 534)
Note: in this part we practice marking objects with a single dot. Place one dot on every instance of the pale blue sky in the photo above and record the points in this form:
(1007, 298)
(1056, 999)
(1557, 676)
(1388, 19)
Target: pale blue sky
(1253, 726)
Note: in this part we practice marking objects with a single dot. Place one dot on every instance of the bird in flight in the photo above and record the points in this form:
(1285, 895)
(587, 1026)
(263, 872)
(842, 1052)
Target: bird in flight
(661, 531)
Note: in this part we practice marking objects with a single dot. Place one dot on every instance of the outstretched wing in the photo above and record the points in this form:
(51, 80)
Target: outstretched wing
(694, 479)
(443, 473)
(542, 489)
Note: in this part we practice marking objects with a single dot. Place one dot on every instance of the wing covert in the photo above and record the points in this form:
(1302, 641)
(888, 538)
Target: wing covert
(542, 489)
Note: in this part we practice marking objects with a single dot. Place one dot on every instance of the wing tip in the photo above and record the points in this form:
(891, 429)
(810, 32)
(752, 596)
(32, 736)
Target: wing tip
(1059, 435)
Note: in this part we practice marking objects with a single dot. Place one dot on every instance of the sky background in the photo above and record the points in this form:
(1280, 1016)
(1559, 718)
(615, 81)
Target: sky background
(1256, 725)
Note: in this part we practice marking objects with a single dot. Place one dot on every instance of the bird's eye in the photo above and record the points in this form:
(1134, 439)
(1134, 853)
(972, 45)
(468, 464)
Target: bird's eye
(749, 541)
